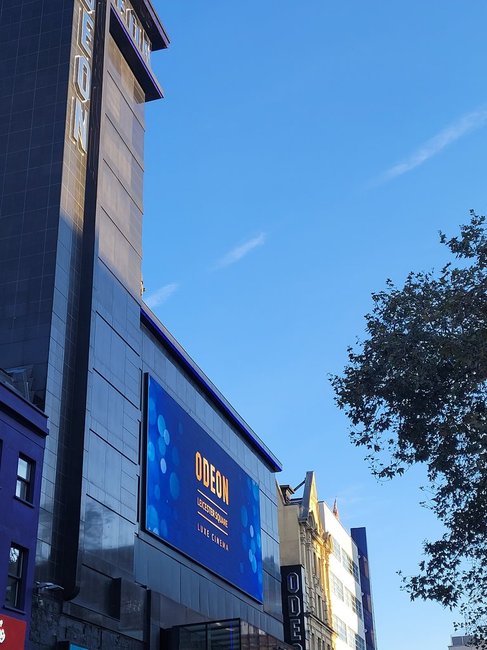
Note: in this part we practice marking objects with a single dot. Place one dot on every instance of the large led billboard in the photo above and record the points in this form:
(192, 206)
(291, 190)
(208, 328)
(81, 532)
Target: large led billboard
(198, 499)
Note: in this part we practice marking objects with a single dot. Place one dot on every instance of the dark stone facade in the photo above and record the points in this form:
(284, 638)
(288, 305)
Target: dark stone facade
(50, 628)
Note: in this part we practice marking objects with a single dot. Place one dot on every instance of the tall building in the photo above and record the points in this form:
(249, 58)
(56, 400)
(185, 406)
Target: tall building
(332, 565)
(158, 512)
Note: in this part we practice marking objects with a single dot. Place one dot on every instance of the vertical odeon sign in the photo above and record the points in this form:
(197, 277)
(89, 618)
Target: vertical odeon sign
(82, 74)
(292, 585)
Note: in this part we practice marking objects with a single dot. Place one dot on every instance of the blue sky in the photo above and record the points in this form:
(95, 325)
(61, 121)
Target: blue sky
(305, 152)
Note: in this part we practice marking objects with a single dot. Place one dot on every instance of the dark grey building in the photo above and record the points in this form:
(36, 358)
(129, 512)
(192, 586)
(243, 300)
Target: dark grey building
(158, 507)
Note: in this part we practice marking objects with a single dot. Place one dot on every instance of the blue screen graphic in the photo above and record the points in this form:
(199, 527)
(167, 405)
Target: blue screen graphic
(198, 499)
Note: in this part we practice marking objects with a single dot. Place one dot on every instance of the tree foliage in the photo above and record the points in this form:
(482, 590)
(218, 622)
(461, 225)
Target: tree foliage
(415, 392)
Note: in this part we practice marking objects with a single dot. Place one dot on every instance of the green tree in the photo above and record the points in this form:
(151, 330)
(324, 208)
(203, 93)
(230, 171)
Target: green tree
(415, 392)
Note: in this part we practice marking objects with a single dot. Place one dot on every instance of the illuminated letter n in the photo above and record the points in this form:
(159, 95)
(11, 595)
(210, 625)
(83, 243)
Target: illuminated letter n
(80, 125)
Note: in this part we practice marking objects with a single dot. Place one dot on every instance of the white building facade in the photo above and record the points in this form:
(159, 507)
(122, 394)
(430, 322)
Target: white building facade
(346, 592)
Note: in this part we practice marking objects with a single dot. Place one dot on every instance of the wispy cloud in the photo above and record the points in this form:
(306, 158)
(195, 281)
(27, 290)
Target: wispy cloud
(161, 295)
(237, 253)
(436, 144)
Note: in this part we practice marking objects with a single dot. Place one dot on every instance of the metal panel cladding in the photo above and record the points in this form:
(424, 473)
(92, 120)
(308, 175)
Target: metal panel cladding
(198, 499)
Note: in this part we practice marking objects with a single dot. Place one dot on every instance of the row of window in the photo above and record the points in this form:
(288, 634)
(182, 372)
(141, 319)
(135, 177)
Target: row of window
(317, 643)
(345, 633)
(17, 561)
(343, 557)
(346, 595)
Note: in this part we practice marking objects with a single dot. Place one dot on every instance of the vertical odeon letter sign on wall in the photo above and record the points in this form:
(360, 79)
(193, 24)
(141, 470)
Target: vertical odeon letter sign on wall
(82, 74)
(293, 606)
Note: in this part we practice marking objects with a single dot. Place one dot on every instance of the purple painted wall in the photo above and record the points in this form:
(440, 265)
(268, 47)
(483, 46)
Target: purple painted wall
(23, 429)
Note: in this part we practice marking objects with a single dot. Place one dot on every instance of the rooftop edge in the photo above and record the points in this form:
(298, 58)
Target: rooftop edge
(152, 24)
(157, 328)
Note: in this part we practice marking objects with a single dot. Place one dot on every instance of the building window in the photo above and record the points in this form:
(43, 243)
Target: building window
(350, 565)
(25, 479)
(336, 549)
(347, 562)
(359, 643)
(355, 571)
(346, 634)
(340, 628)
(324, 610)
(16, 564)
(352, 601)
(337, 586)
(357, 607)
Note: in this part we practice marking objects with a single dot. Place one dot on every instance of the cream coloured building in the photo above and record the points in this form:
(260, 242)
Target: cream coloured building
(305, 552)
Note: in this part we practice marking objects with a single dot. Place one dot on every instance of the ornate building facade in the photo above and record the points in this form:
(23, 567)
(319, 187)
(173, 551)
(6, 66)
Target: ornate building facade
(305, 559)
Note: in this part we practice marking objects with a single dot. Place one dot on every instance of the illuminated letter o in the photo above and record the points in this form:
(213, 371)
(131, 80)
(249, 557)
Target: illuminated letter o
(292, 582)
(198, 470)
